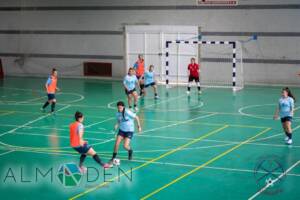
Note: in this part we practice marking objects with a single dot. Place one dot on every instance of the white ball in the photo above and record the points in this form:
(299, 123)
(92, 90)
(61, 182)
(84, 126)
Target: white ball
(116, 162)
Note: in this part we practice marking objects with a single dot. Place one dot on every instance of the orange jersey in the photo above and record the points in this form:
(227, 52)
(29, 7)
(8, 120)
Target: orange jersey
(75, 129)
(51, 84)
(140, 67)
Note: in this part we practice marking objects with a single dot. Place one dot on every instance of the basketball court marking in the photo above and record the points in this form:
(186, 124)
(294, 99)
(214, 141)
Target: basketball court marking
(203, 165)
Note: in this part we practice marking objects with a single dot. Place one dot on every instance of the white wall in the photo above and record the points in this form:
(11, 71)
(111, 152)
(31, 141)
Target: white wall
(219, 20)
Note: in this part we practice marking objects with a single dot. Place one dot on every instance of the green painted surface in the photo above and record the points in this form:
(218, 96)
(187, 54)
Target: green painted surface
(175, 120)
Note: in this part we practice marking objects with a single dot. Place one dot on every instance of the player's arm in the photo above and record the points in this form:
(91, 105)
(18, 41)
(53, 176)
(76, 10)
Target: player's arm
(292, 108)
(124, 84)
(81, 141)
(116, 126)
(48, 83)
(276, 113)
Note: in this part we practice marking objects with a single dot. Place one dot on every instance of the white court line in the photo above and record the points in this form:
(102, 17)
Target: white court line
(30, 122)
(7, 152)
(178, 123)
(88, 126)
(274, 181)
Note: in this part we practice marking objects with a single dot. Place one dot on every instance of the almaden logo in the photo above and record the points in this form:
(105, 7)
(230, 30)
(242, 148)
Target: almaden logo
(69, 175)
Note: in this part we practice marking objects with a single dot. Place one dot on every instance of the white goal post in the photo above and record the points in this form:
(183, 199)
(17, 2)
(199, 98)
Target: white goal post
(233, 62)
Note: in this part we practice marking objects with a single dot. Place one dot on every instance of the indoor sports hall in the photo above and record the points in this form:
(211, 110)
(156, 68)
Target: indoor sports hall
(170, 99)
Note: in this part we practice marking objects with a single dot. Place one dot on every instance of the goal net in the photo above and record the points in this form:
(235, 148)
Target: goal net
(221, 63)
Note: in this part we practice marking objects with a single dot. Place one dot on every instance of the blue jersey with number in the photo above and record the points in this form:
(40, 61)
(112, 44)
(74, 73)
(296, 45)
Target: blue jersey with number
(286, 105)
(130, 81)
(126, 122)
(149, 77)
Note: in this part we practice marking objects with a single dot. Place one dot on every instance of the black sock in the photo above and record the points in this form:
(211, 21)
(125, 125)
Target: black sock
(155, 94)
(52, 107)
(289, 135)
(130, 107)
(130, 154)
(286, 133)
(114, 155)
(82, 158)
(189, 88)
(134, 105)
(141, 87)
(45, 105)
(97, 159)
(199, 88)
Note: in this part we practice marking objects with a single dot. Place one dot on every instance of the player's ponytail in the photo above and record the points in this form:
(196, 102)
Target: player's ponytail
(290, 94)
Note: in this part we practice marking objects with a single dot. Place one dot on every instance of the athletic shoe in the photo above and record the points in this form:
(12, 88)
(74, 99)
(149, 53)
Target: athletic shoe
(199, 92)
(82, 169)
(156, 97)
(188, 92)
(107, 165)
(289, 142)
(136, 109)
(43, 110)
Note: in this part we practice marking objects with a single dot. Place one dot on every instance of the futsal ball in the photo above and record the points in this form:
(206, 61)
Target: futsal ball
(116, 162)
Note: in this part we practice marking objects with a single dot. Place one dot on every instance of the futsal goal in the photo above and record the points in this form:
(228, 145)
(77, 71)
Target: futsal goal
(221, 63)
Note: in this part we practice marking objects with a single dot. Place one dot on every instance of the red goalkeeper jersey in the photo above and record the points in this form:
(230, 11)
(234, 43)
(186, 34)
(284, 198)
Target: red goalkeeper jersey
(194, 69)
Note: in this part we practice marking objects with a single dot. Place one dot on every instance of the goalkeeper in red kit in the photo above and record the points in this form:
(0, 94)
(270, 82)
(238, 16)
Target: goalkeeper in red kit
(194, 70)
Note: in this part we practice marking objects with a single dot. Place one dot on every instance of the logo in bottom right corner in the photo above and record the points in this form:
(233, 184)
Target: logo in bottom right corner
(269, 175)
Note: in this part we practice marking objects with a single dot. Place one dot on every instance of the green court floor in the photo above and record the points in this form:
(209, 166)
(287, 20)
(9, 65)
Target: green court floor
(219, 145)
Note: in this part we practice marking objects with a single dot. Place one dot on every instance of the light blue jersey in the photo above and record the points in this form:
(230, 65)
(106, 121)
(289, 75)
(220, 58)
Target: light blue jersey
(49, 80)
(126, 123)
(286, 105)
(130, 81)
(149, 77)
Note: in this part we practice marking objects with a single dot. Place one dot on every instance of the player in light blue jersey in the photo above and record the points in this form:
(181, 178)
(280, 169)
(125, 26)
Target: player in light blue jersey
(149, 80)
(285, 111)
(130, 81)
(125, 123)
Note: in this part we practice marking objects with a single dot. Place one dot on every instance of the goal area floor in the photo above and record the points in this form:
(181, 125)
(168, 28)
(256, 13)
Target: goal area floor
(217, 145)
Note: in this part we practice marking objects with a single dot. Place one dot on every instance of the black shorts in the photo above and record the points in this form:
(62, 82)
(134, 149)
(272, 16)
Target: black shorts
(139, 77)
(51, 96)
(130, 91)
(126, 134)
(286, 119)
(83, 149)
(150, 84)
(191, 78)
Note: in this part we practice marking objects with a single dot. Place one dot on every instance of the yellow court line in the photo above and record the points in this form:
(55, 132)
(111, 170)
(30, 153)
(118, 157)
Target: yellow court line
(151, 161)
(203, 165)
(4, 113)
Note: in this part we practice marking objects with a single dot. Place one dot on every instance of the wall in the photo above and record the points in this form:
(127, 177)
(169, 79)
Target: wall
(64, 34)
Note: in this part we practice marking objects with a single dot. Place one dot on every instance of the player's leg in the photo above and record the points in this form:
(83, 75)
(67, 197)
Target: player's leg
(117, 144)
(95, 156)
(129, 96)
(189, 85)
(128, 147)
(135, 97)
(47, 102)
(198, 85)
(53, 103)
(288, 128)
(142, 86)
(155, 90)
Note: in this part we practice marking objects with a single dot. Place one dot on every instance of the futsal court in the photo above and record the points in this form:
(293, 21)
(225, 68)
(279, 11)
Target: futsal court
(191, 146)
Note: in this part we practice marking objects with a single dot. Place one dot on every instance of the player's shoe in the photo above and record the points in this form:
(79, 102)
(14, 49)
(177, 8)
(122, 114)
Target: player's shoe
(136, 109)
(107, 165)
(82, 169)
(199, 92)
(188, 92)
(156, 97)
(289, 142)
(43, 110)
